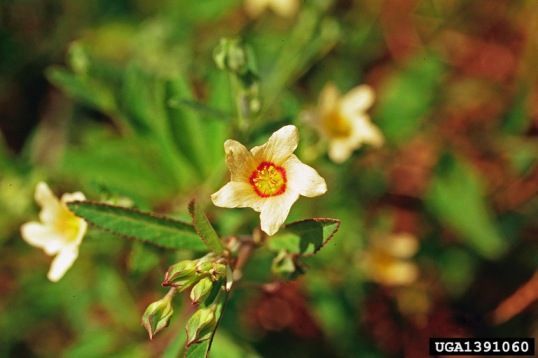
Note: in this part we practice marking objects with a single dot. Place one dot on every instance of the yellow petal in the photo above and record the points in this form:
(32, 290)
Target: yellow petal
(254, 8)
(340, 149)
(70, 197)
(50, 205)
(357, 101)
(400, 273)
(365, 132)
(275, 211)
(62, 262)
(239, 160)
(401, 245)
(43, 237)
(285, 8)
(237, 195)
(279, 147)
(304, 179)
(82, 228)
(328, 99)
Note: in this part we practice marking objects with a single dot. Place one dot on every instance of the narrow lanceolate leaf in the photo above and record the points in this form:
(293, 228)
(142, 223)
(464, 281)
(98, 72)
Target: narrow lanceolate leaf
(159, 231)
(205, 229)
(304, 237)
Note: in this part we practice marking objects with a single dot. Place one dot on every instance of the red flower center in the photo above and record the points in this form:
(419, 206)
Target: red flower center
(268, 180)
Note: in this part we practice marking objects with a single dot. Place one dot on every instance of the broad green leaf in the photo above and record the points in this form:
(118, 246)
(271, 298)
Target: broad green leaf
(406, 98)
(159, 231)
(304, 237)
(456, 197)
(204, 228)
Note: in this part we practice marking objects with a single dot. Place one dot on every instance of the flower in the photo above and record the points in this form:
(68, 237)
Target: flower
(284, 8)
(387, 261)
(59, 233)
(268, 178)
(343, 120)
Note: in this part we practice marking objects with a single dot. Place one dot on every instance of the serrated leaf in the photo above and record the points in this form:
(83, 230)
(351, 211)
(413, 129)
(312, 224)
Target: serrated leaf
(456, 197)
(304, 237)
(204, 228)
(159, 231)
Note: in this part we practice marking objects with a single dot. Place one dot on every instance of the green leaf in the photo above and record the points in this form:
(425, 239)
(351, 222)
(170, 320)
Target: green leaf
(180, 103)
(159, 231)
(456, 197)
(82, 89)
(100, 159)
(406, 98)
(186, 128)
(205, 229)
(304, 237)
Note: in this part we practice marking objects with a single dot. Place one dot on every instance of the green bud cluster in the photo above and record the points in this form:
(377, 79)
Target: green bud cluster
(199, 274)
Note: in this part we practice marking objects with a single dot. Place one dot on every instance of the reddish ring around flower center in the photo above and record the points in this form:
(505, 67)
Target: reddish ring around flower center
(268, 180)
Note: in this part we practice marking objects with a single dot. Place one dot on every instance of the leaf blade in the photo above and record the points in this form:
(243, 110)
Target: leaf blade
(156, 230)
(305, 237)
(204, 228)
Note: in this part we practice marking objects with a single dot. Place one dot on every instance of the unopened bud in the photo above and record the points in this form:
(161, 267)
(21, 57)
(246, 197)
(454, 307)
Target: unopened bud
(181, 275)
(78, 58)
(201, 290)
(157, 315)
(200, 324)
(204, 267)
(230, 55)
(218, 271)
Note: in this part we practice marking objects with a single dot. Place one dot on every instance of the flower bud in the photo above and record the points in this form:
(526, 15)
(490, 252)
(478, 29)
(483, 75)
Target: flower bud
(78, 59)
(157, 315)
(201, 290)
(181, 275)
(218, 271)
(204, 267)
(198, 326)
(230, 55)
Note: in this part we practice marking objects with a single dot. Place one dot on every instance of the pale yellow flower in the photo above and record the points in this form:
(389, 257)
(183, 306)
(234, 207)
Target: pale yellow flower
(59, 233)
(388, 260)
(343, 120)
(284, 8)
(268, 178)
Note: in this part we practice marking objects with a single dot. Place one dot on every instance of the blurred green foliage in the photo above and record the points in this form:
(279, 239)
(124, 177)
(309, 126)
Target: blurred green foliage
(122, 100)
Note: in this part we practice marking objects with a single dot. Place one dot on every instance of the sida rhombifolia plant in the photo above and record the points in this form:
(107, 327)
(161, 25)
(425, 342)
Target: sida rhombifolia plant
(268, 178)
